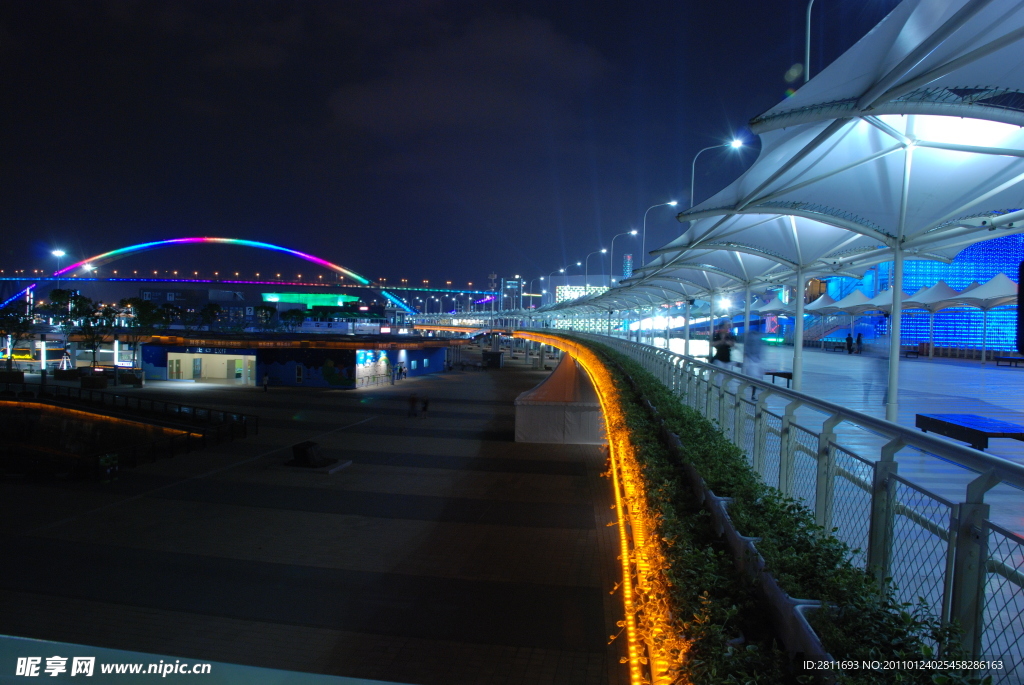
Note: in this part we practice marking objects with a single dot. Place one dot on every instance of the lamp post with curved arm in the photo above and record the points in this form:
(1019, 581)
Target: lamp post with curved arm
(611, 257)
(531, 290)
(550, 275)
(734, 144)
(643, 242)
(586, 270)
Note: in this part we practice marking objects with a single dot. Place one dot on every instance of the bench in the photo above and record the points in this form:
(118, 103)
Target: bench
(970, 428)
(788, 375)
(1009, 361)
(838, 347)
(910, 353)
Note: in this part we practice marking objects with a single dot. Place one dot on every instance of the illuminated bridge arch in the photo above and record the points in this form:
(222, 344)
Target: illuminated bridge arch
(106, 257)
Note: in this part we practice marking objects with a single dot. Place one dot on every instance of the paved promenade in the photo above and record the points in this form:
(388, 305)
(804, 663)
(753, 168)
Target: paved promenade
(445, 554)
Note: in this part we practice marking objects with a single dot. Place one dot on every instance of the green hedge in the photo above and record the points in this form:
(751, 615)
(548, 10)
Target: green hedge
(807, 561)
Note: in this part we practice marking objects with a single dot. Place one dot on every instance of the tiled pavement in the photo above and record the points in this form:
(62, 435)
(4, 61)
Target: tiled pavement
(445, 554)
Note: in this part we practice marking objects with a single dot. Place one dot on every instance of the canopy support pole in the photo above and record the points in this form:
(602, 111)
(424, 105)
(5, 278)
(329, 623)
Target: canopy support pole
(931, 335)
(798, 332)
(746, 311)
(892, 391)
(686, 329)
(984, 333)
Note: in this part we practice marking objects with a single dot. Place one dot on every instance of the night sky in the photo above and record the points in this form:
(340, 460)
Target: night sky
(421, 140)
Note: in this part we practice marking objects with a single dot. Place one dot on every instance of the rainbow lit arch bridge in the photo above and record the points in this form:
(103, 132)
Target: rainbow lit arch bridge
(83, 270)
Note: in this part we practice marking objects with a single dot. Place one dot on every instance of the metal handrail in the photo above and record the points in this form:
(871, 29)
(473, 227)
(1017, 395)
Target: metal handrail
(1004, 470)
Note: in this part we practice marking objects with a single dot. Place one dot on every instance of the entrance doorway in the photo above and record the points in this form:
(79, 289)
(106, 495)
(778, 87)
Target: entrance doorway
(234, 369)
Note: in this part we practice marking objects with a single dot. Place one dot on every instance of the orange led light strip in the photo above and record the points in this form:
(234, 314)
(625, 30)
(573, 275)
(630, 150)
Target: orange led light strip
(634, 535)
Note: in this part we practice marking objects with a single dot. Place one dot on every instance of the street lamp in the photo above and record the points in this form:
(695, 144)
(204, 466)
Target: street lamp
(643, 244)
(807, 46)
(734, 144)
(586, 270)
(561, 271)
(531, 290)
(611, 257)
(58, 254)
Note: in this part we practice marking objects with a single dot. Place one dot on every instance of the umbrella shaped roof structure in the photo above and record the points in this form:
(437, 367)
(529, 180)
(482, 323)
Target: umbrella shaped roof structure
(854, 303)
(939, 296)
(882, 302)
(822, 305)
(997, 292)
(894, 143)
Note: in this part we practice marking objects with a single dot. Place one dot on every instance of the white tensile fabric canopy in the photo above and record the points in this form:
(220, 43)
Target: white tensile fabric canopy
(939, 296)
(908, 146)
(998, 292)
(882, 302)
(776, 306)
(822, 305)
(564, 408)
(854, 303)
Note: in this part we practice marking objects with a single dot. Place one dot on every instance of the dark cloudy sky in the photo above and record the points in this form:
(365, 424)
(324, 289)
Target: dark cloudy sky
(432, 139)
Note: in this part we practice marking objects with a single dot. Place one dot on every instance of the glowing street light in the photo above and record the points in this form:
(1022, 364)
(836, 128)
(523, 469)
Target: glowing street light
(643, 243)
(586, 270)
(58, 254)
(611, 257)
(735, 144)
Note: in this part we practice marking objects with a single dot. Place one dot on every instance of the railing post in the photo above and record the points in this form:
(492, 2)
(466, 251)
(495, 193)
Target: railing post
(883, 501)
(824, 488)
(969, 565)
(760, 433)
(738, 414)
(787, 450)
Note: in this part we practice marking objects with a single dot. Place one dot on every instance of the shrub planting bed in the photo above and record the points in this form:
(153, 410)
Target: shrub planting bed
(724, 627)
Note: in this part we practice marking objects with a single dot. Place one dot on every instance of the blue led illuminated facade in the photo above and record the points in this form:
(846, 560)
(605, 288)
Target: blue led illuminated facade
(956, 327)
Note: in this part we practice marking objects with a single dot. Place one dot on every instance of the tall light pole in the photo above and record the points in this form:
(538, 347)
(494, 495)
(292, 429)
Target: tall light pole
(550, 275)
(531, 289)
(611, 257)
(586, 270)
(735, 144)
(643, 242)
(807, 47)
(58, 254)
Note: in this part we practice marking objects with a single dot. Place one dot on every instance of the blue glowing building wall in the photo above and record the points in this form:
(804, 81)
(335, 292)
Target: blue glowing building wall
(961, 327)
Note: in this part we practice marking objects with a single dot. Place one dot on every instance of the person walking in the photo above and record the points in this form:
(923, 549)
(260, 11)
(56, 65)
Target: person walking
(723, 341)
(266, 381)
(425, 406)
(849, 343)
(752, 360)
(860, 343)
(413, 403)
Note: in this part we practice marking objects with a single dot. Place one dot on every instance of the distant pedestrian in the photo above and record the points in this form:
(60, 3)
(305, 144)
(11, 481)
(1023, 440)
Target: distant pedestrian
(266, 381)
(413, 403)
(425, 406)
(752, 360)
(723, 342)
(860, 343)
(849, 343)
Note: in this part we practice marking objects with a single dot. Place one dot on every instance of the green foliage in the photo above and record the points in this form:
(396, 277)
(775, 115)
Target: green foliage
(264, 316)
(806, 560)
(209, 314)
(16, 325)
(293, 318)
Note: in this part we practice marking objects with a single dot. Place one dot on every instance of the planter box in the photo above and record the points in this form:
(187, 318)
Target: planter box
(12, 376)
(129, 379)
(96, 382)
(66, 375)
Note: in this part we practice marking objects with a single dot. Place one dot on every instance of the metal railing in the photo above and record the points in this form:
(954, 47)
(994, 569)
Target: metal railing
(217, 422)
(951, 554)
